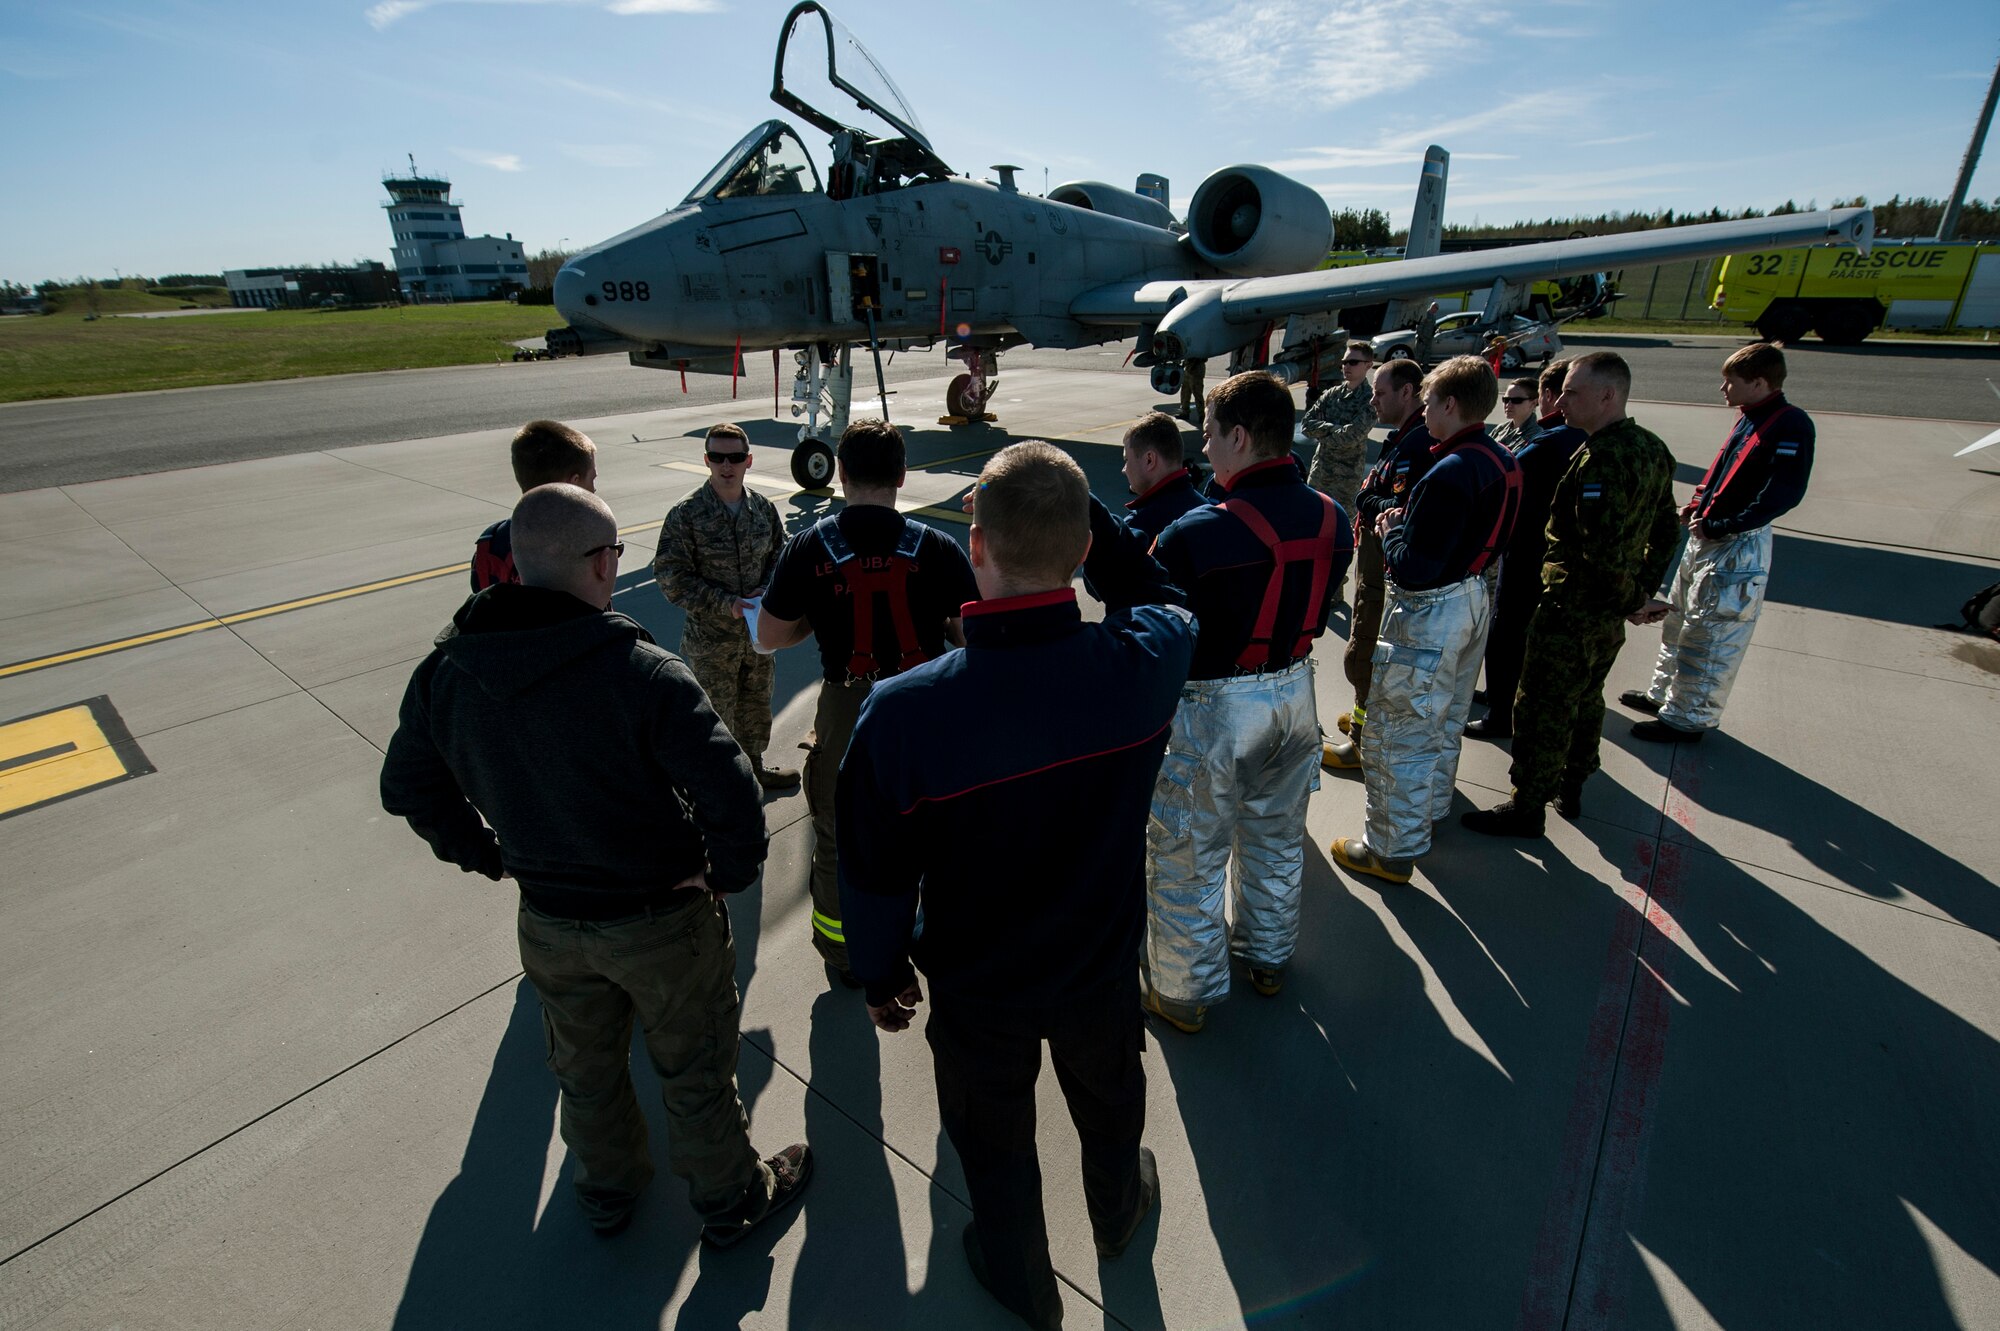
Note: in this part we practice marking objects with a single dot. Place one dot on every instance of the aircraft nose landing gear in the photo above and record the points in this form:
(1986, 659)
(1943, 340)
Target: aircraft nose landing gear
(812, 465)
(966, 398)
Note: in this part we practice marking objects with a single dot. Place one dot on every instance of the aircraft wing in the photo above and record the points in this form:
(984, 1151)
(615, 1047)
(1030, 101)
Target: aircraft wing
(1254, 299)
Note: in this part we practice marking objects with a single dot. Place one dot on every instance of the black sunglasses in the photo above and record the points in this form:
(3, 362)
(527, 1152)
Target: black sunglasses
(1517, 401)
(735, 459)
(1355, 360)
(617, 549)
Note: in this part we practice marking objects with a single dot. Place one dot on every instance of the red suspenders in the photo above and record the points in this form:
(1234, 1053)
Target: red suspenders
(1703, 496)
(864, 584)
(1316, 550)
(1510, 506)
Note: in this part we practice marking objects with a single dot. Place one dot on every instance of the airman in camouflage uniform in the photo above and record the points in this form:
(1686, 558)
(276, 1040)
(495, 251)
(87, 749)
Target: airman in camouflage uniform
(1338, 424)
(1427, 329)
(1613, 530)
(717, 549)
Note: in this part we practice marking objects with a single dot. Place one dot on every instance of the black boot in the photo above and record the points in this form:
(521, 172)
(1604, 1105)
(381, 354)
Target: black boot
(1514, 818)
(1569, 799)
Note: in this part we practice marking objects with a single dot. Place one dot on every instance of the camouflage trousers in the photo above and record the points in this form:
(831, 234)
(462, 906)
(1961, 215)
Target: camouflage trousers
(833, 725)
(737, 679)
(1337, 468)
(1559, 711)
(674, 970)
(1371, 590)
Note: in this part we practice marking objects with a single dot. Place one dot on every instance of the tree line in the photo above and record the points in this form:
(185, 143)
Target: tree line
(1898, 219)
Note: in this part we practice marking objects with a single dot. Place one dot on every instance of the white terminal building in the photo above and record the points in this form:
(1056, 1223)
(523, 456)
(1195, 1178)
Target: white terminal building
(435, 259)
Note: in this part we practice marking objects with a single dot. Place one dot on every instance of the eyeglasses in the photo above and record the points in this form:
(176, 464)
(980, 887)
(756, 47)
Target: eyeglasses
(617, 549)
(728, 459)
(1515, 401)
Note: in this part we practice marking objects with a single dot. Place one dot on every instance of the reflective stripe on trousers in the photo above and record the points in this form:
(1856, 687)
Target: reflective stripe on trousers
(1243, 758)
(1426, 663)
(1717, 595)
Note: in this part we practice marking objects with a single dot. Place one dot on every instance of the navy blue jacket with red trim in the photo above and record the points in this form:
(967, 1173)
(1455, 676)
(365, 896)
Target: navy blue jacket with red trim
(1154, 510)
(1452, 513)
(1005, 787)
(1771, 480)
(1406, 456)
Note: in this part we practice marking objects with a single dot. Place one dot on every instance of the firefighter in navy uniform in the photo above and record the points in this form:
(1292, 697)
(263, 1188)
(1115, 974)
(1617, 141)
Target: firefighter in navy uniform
(1543, 462)
(1406, 456)
(1001, 793)
(1759, 476)
(1438, 547)
(882, 593)
(1261, 570)
(1156, 472)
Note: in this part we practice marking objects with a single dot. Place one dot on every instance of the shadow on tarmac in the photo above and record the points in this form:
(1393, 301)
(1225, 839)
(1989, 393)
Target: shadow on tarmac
(1364, 1164)
(1869, 582)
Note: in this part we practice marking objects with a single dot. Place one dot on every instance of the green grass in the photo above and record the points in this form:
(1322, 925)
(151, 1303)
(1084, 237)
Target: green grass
(63, 355)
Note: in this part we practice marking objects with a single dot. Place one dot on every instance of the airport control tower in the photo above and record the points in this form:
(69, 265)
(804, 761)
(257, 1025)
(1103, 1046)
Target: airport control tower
(435, 259)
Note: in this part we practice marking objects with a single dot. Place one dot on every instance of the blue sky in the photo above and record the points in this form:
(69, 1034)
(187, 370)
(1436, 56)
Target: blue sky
(154, 136)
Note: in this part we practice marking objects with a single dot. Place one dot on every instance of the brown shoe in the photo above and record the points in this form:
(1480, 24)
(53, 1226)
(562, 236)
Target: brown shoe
(777, 778)
(791, 1170)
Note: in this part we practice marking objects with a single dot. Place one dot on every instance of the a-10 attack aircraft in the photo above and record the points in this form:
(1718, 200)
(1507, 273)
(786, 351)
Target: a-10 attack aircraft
(892, 251)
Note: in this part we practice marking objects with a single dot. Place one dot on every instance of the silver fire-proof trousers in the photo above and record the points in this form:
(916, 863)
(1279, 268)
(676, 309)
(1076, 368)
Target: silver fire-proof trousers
(1717, 595)
(1426, 663)
(1230, 806)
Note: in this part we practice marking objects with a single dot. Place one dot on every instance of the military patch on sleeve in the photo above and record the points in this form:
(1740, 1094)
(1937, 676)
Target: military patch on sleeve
(1788, 450)
(1592, 490)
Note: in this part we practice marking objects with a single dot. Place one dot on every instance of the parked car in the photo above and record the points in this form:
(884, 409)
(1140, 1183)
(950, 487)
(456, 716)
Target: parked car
(1467, 333)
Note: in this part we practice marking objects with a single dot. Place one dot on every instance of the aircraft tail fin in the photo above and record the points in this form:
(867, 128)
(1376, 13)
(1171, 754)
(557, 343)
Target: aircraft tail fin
(1427, 221)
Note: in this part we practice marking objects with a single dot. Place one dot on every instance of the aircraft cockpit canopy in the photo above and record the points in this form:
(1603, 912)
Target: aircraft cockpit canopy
(866, 160)
(768, 160)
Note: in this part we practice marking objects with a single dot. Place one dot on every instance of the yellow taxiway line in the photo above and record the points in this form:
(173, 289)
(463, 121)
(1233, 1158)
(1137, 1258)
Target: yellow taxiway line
(364, 589)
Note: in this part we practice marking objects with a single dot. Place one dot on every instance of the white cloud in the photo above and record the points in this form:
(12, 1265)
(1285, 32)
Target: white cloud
(381, 15)
(1325, 53)
(1528, 114)
(498, 161)
(636, 102)
(611, 156)
(664, 7)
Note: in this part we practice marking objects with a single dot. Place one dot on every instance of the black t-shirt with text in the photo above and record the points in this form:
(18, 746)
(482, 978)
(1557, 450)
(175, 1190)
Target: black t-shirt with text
(806, 585)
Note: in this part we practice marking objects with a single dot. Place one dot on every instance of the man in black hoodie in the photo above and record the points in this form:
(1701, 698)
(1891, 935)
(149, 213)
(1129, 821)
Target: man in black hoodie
(614, 796)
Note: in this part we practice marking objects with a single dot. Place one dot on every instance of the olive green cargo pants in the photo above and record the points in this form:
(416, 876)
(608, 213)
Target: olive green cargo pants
(675, 971)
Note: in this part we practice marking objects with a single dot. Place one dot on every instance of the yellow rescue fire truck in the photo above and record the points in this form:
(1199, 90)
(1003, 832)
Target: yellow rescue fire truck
(1844, 296)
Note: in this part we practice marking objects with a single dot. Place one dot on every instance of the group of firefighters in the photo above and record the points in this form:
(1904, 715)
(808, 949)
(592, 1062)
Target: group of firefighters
(967, 710)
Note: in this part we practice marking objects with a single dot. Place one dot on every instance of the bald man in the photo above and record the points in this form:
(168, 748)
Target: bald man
(615, 799)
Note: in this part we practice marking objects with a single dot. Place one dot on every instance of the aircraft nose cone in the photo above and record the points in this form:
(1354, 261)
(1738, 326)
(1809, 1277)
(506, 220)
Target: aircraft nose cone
(574, 298)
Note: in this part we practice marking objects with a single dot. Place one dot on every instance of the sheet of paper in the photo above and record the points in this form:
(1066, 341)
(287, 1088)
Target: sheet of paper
(750, 614)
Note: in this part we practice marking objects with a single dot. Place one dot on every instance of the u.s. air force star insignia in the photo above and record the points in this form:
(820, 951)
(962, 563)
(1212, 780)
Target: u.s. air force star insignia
(994, 247)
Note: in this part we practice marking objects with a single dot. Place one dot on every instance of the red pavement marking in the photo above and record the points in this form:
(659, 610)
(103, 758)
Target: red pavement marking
(1582, 1255)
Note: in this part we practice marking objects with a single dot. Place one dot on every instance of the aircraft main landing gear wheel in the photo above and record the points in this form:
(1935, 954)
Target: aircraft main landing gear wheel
(965, 398)
(812, 465)
(1511, 359)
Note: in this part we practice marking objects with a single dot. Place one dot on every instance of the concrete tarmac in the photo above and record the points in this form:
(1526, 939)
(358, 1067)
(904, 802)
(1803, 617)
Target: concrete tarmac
(1716, 1055)
(73, 440)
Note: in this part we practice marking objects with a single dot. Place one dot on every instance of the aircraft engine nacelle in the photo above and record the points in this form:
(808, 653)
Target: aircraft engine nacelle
(1098, 197)
(1249, 221)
